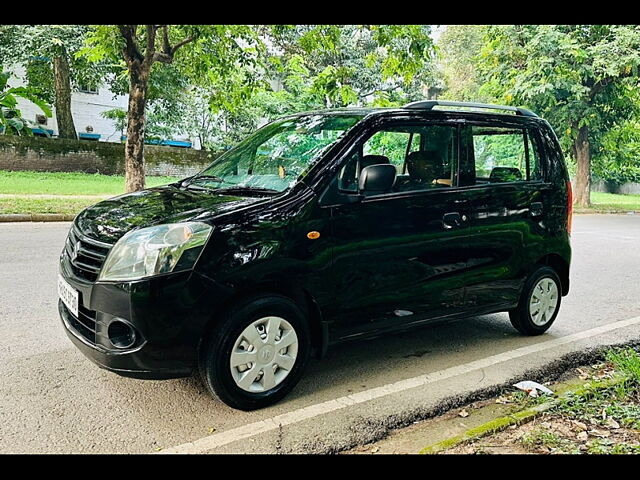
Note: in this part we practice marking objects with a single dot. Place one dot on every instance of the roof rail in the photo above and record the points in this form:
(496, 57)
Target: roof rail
(429, 104)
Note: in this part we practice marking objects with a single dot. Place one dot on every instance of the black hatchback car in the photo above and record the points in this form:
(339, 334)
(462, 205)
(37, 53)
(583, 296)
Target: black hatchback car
(319, 228)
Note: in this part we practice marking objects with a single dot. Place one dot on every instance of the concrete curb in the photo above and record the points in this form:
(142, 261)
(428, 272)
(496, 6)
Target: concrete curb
(517, 418)
(605, 212)
(35, 217)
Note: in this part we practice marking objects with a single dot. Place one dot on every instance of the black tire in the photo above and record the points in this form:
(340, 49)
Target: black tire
(520, 316)
(214, 368)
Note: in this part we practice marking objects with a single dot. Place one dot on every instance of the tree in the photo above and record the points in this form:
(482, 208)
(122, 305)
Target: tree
(206, 52)
(198, 119)
(577, 76)
(327, 66)
(48, 52)
(617, 158)
(355, 64)
(458, 50)
(11, 121)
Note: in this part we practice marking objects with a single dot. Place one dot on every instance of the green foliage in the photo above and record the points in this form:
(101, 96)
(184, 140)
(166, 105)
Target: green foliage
(541, 437)
(355, 64)
(573, 75)
(11, 121)
(212, 59)
(618, 402)
(627, 361)
(39, 76)
(327, 66)
(617, 158)
(211, 77)
(458, 49)
(34, 46)
(614, 402)
(118, 116)
(603, 446)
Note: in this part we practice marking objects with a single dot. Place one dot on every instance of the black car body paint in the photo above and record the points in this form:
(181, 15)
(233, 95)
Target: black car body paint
(375, 256)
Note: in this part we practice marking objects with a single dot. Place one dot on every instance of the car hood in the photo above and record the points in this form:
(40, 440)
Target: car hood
(110, 219)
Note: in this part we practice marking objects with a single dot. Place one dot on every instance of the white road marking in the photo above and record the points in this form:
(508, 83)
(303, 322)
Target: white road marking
(295, 416)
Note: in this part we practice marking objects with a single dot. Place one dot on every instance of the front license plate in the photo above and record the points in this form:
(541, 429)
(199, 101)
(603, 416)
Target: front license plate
(68, 295)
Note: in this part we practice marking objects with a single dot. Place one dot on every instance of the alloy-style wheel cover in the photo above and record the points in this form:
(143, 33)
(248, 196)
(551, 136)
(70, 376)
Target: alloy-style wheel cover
(543, 301)
(264, 354)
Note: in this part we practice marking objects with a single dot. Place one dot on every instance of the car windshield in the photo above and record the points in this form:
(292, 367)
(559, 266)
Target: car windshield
(275, 156)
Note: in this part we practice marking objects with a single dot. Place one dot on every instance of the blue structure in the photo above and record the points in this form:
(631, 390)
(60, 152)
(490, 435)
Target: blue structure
(168, 143)
(89, 136)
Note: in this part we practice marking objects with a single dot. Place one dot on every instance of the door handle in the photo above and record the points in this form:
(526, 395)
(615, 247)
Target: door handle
(535, 210)
(451, 220)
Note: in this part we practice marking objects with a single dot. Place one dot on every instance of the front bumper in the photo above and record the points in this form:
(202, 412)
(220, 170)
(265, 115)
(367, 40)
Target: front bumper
(168, 313)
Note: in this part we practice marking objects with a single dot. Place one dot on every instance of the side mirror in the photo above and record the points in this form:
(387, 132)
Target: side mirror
(377, 178)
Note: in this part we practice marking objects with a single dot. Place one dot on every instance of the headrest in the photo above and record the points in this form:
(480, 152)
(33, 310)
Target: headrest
(423, 165)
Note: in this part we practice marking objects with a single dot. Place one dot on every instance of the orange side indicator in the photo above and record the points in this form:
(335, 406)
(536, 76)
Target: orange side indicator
(313, 235)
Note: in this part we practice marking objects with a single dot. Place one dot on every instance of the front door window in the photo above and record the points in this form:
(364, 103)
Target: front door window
(424, 157)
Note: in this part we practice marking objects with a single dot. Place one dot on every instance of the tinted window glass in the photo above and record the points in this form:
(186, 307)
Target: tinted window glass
(503, 155)
(424, 156)
(535, 169)
(277, 155)
(389, 143)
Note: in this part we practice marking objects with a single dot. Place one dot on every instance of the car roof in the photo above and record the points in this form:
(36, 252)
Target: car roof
(473, 109)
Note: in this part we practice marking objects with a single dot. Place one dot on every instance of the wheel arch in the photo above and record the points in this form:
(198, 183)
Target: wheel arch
(297, 294)
(561, 266)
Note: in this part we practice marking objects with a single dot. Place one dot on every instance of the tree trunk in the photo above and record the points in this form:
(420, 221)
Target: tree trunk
(582, 149)
(134, 148)
(66, 128)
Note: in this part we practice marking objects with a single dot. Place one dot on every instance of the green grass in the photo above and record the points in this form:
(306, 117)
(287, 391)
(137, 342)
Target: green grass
(626, 360)
(620, 402)
(607, 447)
(543, 438)
(66, 206)
(54, 183)
(597, 404)
(612, 201)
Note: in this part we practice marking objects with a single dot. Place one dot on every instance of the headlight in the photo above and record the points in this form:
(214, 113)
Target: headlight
(155, 250)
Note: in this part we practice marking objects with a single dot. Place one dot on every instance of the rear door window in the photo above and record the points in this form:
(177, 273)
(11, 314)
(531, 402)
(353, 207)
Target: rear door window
(504, 155)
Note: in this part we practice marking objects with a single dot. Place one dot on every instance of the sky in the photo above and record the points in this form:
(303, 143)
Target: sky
(436, 30)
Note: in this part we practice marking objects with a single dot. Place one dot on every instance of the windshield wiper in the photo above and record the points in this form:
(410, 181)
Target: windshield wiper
(249, 188)
(199, 188)
(192, 180)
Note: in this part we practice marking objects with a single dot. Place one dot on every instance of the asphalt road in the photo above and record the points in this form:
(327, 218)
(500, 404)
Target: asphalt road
(52, 399)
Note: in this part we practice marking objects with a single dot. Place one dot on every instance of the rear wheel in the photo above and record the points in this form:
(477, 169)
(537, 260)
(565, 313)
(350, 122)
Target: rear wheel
(539, 303)
(257, 354)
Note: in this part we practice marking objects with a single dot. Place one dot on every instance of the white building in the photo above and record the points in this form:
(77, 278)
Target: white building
(86, 108)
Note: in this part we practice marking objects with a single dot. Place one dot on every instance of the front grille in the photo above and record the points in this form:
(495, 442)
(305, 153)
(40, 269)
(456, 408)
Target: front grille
(85, 254)
(84, 323)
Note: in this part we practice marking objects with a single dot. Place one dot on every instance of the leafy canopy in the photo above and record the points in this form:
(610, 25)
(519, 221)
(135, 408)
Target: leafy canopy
(34, 46)
(574, 75)
(11, 121)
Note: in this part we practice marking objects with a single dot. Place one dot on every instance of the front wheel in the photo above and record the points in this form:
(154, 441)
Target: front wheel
(539, 303)
(257, 354)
